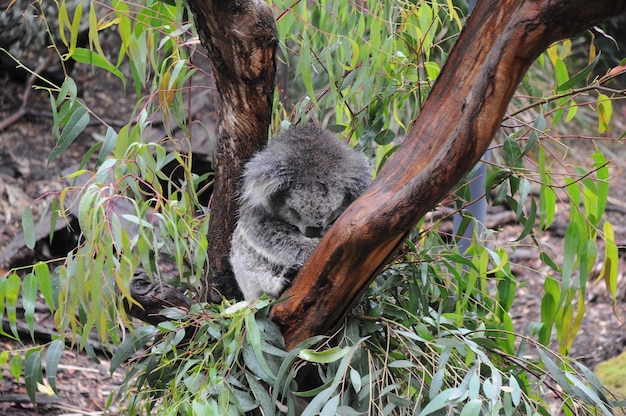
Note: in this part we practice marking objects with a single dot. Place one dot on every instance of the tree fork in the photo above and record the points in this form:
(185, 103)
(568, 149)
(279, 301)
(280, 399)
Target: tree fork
(500, 41)
(240, 38)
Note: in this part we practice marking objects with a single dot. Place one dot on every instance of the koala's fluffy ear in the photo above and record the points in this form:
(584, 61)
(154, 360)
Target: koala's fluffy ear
(355, 186)
(263, 178)
(357, 177)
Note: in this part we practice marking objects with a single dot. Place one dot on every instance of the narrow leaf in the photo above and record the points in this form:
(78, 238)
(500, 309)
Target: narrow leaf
(331, 406)
(12, 290)
(16, 366)
(28, 225)
(133, 342)
(472, 408)
(263, 398)
(329, 356)
(53, 356)
(42, 273)
(88, 57)
(29, 299)
(575, 79)
(438, 402)
(77, 123)
(32, 373)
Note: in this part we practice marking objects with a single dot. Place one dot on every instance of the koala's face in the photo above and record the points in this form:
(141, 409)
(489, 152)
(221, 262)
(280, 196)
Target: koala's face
(310, 209)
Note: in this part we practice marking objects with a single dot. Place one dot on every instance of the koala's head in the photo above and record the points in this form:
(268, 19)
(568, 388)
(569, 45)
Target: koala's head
(310, 209)
(306, 177)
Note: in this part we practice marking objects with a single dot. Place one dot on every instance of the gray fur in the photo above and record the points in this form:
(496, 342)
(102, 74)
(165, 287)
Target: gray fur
(291, 194)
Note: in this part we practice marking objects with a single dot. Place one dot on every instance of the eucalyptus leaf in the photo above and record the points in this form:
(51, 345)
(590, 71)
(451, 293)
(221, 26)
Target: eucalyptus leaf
(28, 225)
(76, 125)
(32, 372)
(54, 352)
(133, 343)
(29, 299)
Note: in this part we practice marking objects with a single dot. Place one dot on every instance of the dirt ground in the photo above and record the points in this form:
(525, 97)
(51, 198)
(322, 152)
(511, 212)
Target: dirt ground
(86, 386)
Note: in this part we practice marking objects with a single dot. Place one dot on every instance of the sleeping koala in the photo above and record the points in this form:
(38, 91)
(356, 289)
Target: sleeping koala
(291, 194)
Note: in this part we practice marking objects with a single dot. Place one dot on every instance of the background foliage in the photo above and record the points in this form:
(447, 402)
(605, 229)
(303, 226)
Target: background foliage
(433, 334)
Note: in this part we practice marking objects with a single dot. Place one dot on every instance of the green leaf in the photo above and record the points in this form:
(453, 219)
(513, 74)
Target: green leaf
(472, 408)
(561, 72)
(524, 191)
(589, 394)
(3, 288)
(528, 221)
(438, 402)
(285, 367)
(11, 293)
(29, 299)
(602, 174)
(324, 357)
(108, 144)
(516, 391)
(54, 216)
(32, 372)
(75, 28)
(555, 372)
(549, 261)
(512, 152)
(610, 267)
(548, 308)
(384, 137)
(86, 205)
(570, 83)
(86, 56)
(28, 225)
(331, 406)
(260, 392)
(547, 196)
(605, 112)
(53, 357)
(594, 381)
(255, 361)
(69, 89)
(355, 379)
(571, 241)
(16, 366)
(133, 343)
(77, 123)
(319, 401)
(42, 273)
(401, 364)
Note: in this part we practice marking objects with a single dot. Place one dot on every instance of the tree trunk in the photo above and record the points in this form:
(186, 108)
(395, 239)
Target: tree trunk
(500, 41)
(241, 39)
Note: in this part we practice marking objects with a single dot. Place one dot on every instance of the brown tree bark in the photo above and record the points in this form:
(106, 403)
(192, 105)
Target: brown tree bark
(500, 41)
(241, 39)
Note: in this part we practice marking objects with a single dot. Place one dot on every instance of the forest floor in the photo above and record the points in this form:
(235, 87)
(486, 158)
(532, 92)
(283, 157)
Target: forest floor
(85, 386)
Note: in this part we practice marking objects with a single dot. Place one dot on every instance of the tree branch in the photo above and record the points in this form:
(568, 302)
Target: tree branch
(495, 49)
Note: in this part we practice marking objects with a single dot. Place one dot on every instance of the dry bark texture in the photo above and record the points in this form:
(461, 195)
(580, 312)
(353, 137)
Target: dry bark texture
(241, 39)
(454, 128)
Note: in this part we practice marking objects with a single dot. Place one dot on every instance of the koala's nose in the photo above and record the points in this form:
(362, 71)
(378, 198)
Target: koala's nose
(313, 232)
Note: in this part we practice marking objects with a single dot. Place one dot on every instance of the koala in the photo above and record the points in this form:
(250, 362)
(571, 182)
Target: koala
(292, 192)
